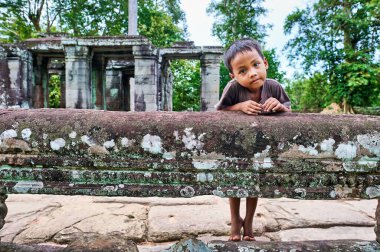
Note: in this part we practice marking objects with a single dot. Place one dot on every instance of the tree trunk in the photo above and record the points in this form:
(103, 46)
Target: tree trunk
(347, 108)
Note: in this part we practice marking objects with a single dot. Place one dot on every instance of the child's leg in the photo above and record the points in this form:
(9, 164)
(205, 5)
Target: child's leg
(248, 220)
(236, 220)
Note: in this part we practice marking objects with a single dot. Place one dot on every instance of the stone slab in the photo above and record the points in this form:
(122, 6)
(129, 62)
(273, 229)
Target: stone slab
(333, 233)
(298, 213)
(62, 219)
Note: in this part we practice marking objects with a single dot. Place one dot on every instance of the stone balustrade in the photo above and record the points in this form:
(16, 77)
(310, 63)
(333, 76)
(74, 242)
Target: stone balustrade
(168, 154)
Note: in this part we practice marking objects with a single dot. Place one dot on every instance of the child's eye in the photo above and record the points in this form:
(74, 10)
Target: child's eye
(242, 71)
(256, 64)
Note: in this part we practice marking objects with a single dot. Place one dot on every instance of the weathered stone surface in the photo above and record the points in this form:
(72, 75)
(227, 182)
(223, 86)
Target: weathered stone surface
(155, 201)
(185, 155)
(100, 243)
(292, 214)
(167, 223)
(13, 247)
(333, 233)
(42, 217)
(377, 224)
(64, 219)
(189, 245)
(333, 246)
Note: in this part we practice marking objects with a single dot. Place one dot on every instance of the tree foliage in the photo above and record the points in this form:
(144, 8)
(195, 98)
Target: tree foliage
(238, 19)
(186, 85)
(162, 21)
(340, 38)
(309, 94)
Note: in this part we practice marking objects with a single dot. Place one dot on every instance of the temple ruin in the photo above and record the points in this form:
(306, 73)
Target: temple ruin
(109, 73)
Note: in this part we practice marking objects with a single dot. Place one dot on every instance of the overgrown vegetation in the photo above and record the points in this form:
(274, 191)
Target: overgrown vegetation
(337, 42)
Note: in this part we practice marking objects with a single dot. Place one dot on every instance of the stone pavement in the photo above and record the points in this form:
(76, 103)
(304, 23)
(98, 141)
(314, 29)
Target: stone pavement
(157, 223)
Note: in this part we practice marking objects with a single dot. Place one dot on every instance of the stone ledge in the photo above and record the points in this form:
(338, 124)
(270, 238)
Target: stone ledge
(337, 245)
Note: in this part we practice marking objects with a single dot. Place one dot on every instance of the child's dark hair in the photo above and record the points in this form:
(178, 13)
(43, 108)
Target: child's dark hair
(241, 45)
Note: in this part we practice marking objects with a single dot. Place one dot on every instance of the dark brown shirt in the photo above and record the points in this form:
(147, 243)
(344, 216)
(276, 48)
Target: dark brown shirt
(234, 93)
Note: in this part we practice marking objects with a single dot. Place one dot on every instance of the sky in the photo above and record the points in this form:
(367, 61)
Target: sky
(200, 25)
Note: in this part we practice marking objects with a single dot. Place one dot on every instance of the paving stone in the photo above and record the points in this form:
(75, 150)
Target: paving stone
(40, 218)
(333, 233)
(366, 206)
(176, 222)
(307, 213)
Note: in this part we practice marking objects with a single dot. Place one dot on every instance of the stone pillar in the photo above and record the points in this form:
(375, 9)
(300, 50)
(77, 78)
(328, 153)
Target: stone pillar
(145, 95)
(97, 82)
(132, 17)
(377, 224)
(113, 89)
(210, 74)
(3, 206)
(166, 86)
(10, 79)
(38, 92)
(132, 94)
(27, 78)
(62, 78)
(4, 78)
(78, 90)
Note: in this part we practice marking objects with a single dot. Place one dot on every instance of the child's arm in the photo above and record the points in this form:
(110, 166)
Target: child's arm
(272, 104)
(249, 107)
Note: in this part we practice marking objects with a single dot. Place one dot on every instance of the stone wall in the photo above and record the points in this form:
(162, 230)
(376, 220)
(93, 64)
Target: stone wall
(308, 156)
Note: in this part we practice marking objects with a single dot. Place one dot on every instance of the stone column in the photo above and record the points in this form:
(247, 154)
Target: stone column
(377, 224)
(78, 90)
(27, 78)
(210, 74)
(145, 95)
(62, 78)
(132, 94)
(11, 79)
(166, 86)
(113, 89)
(3, 206)
(4, 78)
(38, 91)
(132, 17)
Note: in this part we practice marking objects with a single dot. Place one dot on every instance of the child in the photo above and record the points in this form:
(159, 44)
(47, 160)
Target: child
(251, 92)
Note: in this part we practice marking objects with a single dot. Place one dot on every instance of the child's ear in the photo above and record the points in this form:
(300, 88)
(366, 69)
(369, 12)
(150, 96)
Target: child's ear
(232, 75)
(266, 63)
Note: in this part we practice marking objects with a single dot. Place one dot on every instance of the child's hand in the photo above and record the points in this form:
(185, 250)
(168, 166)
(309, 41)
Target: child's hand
(272, 104)
(250, 107)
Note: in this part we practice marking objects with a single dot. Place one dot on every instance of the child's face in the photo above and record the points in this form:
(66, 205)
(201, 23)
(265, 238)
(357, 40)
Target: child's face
(249, 70)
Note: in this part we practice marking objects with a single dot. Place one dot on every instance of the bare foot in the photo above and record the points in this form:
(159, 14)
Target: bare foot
(249, 238)
(248, 231)
(235, 230)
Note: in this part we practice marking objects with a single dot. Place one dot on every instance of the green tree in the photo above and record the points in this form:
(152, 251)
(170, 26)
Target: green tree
(162, 21)
(238, 19)
(309, 94)
(186, 85)
(339, 38)
(22, 19)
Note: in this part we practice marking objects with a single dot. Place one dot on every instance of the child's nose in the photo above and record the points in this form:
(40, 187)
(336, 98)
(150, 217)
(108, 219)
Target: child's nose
(252, 73)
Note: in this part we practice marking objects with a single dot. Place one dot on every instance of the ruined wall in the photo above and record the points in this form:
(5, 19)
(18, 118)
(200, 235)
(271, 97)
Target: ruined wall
(186, 154)
(15, 77)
